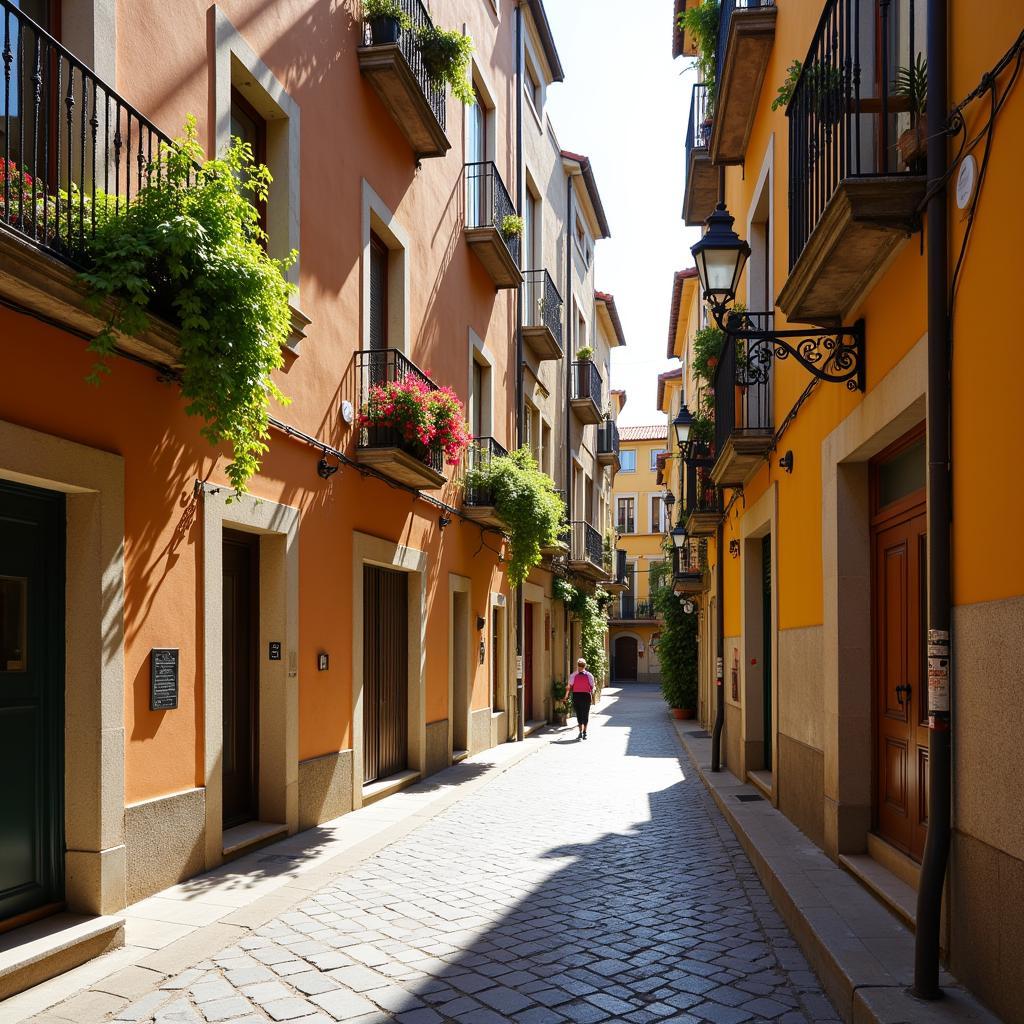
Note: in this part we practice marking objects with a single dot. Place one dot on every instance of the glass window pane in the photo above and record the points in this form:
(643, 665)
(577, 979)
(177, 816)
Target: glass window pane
(902, 475)
(13, 618)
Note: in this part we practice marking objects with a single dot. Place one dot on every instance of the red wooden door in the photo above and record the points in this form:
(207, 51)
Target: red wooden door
(528, 662)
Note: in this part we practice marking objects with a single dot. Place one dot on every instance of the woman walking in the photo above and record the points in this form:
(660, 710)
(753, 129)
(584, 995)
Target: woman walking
(581, 686)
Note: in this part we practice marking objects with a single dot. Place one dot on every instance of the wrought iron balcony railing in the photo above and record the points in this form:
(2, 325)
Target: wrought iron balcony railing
(699, 493)
(542, 304)
(71, 149)
(608, 438)
(488, 203)
(586, 382)
(585, 545)
(698, 131)
(417, 19)
(845, 115)
(691, 559)
(629, 607)
(743, 388)
(381, 367)
(479, 456)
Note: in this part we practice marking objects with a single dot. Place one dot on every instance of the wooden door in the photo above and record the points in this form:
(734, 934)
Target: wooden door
(31, 700)
(766, 647)
(899, 621)
(240, 679)
(625, 658)
(527, 662)
(385, 672)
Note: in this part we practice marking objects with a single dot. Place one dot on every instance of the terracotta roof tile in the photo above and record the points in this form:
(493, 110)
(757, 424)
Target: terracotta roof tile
(654, 432)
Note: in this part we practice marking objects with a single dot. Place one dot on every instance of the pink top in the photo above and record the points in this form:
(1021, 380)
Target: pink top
(581, 682)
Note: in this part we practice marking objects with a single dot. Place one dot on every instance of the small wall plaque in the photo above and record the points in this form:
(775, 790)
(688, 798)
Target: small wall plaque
(321, 662)
(163, 678)
(275, 650)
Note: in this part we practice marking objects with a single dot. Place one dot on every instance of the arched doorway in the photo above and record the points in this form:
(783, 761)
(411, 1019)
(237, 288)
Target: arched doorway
(625, 658)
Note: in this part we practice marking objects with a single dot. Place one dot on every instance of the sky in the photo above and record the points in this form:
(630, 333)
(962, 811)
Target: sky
(625, 103)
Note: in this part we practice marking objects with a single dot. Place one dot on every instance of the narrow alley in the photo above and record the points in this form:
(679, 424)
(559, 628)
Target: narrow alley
(590, 882)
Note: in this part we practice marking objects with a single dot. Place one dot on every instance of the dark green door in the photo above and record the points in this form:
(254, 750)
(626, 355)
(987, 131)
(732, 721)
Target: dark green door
(766, 653)
(31, 699)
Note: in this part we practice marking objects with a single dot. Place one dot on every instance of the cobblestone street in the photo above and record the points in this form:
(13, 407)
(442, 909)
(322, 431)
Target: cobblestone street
(594, 881)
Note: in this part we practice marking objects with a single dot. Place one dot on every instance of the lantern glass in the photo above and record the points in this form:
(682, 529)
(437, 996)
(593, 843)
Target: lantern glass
(678, 536)
(720, 257)
(681, 424)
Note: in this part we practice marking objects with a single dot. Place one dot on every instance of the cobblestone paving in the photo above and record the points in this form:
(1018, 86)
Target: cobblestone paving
(594, 881)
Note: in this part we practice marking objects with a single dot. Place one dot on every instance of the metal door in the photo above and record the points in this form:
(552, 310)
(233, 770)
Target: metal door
(31, 700)
(385, 672)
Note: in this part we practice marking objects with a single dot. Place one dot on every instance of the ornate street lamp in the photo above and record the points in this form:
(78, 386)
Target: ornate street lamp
(678, 535)
(681, 425)
(833, 354)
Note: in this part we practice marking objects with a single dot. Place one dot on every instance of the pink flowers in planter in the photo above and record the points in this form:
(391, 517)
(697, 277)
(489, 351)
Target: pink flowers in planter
(424, 418)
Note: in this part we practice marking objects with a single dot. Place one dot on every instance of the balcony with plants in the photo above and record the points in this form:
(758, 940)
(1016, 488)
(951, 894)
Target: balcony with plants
(700, 193)
(409, 427)
(542, 315)
(628, 608)
(690, 567)
(410, 63)
(481, 492)
(493, 228)
(608, 443)
(857, 125)
(587, 388)
(702, 502)
(743, 46)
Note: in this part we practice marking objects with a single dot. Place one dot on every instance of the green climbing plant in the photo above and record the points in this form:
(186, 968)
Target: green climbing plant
(191, 247)
(677, 642)
(527, 503)
(446, 56)
(587, 609)
(702, 23)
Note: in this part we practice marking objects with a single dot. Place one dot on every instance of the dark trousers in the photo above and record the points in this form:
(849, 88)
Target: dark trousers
(581, 707)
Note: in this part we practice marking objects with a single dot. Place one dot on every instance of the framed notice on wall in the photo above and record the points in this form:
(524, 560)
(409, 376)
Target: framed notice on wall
(163, 678)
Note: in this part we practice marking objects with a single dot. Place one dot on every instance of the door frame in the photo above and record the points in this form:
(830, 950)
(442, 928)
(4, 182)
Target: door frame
(277, 527)
(368, 550)
(460, 690)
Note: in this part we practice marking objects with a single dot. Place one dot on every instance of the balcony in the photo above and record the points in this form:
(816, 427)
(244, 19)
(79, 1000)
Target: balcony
(702, 503)
(690, 568)
(478, 503)
(746, 32)
(743, 413)
(542, 315)
(587, 395)
(586, 551)
(629, 609)
(487, 205)
(701, 192)
(608, 443)
(620, 579)
(69, 145)
(386, 449)
(396, 72)
(853, 198)
(560, 547)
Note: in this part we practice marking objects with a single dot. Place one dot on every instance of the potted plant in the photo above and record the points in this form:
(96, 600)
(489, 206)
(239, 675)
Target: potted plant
(387, 20)
(584, 354)
(421, 420)
(512, 225)
(912, 82)
(677, 652)
(559, 702)
(446, 56)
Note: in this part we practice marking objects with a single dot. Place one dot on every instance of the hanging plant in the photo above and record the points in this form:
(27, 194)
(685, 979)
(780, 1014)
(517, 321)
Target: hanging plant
(446, 56)
(702, 23)
(584, 354)
(192, 247)
(426, 419)
(587, 610)
(527, 503)
(512, 225)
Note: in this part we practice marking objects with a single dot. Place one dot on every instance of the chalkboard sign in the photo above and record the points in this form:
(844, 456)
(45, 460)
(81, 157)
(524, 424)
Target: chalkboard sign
(163, 678)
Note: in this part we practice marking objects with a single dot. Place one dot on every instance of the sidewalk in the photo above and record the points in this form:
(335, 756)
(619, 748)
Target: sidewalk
(863, 955)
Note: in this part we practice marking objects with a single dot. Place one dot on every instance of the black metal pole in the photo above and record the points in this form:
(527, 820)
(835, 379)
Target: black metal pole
(520, 693)
(716, 734)
(936, 851)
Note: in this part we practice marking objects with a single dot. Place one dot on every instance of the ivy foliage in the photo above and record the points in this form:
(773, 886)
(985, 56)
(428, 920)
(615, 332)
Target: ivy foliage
(190, 245)
(386, 9)
(446, 56)
(526, 501)
(702, 23)
(587, 609)
(677, 643)
(785, 91)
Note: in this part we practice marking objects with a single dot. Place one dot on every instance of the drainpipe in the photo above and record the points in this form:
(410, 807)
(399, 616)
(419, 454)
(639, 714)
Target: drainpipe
(936, 852)
(520, 702)
(716, 735)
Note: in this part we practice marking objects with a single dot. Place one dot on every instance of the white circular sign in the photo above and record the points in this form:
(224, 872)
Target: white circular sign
(348, 413)
(966, 181)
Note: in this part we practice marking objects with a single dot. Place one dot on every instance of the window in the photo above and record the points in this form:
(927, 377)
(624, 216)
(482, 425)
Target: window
(625, 521)
(631, 579)
(654, 457)
(545, 448)
(477, 118)
(580, 233)
(588, 498)
(533, 86)
(379, 257)
(480, 399)
(581, 333)
(659, 515)
(250, 127)
(627, 460)
(497, 658)
(530, 247)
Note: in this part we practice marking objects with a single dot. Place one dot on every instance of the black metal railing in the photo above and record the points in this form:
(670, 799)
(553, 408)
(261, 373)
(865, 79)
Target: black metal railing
(542, 305)
(608, 438)
(479, 455)
(630, 607)
(691, 559)
(698, 131)
(72, 151)
(845, 116)
(408, 43)
(743, 386)
(488, 203)
(725, 13)
(374, 370)
(621, 568)
(585, 545)
(699, 491)
(586, 382)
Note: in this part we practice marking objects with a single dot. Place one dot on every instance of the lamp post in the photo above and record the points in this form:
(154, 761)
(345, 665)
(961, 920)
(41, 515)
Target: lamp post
(834, 354)
(681, 425)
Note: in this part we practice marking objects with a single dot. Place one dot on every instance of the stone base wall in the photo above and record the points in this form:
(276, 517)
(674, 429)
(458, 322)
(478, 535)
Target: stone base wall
(165, 840)
(438, 756)
(800, 784)
(325, 788)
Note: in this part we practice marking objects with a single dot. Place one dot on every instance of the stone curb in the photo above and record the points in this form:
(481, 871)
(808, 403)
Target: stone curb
(861, 953)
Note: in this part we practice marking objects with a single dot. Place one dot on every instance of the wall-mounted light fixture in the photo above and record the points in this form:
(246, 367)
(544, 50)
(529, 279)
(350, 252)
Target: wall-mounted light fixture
(444, 521)
(325, 469)
(734, 548)
(480, 623)
(786, 462)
